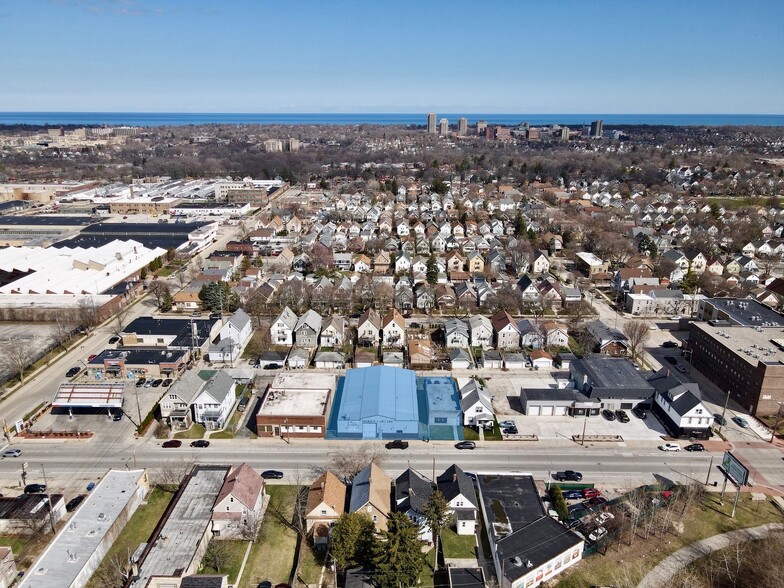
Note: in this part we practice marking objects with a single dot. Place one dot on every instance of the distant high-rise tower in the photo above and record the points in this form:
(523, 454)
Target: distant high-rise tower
(443, 127)
(431, 122)
(597, 128)
(462, 127)
(481, 127)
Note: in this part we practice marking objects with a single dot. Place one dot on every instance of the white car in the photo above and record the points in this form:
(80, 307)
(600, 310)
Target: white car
(604, 517)
(670, 447)
(597, 534)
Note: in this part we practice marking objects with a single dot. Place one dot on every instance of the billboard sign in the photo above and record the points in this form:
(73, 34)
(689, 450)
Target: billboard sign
(736, 471)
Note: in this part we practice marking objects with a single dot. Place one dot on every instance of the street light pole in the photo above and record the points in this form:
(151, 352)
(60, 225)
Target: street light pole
(724, 411)
(776, 424)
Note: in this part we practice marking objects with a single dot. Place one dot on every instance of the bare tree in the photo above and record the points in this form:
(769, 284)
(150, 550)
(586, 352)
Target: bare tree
(63, 332)
(348, 462)
(170, 475)
(158, 289)
(88, 313)
(637, 332)
(119, 318)
(113, 570)
(16, 356)
(216, 556)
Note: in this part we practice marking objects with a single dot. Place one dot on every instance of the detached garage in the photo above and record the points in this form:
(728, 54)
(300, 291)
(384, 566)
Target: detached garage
(557, 402)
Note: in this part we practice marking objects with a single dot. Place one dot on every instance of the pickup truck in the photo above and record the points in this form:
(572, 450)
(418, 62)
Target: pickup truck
(397, 444)
(568, 476)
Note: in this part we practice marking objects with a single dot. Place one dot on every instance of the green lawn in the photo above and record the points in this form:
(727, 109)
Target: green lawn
(235, 552)
(195, 432)
(470, 434)
(272, 556)
(26, 548)
(426, 575)
(495, 434)
(643, 555)
(458, 546)
(138, 530)
(310, 564)
(165, 272)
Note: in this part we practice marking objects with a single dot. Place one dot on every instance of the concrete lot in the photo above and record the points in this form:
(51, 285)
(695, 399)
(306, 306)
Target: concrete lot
(37, 335)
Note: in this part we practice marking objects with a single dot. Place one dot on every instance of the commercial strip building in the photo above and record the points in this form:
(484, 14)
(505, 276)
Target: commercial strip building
(75, 553)
(296, 405)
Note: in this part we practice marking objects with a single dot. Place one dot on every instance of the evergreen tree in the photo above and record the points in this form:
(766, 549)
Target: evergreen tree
(519, 224)
(432, 270)
(398, 557)
(351, 540)
(217, 296)
(437, 516)
(166, 300)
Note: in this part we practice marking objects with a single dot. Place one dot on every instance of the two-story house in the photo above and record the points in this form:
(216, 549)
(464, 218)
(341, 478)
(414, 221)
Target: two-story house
(239, 506)
(213, 403)
(370, 495)
(307, 329)
(333, 331)
(456, 334)
(458, 489)
(507, 334)
(481, 329)
(282, 328)
(393, 327)
(369, 328)
(412, 493)
(326, 502)
(233, 337)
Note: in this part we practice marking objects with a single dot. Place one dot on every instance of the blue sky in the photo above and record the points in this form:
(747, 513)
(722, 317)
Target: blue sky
(534, 56)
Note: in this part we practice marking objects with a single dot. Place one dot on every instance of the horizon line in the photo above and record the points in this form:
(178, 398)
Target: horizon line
(290, 112)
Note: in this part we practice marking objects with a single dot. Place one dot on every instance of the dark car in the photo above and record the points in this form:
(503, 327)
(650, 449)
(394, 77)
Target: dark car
(172, 443)
(471, 475)
(157, 382)
(271, 366)
(118, 415)
(35, 488)
(720, 419)
(466, 445)
(113, 340)
(200, 443)
(669, 344)
(74, 502)
(639, 413)
(167, 382)
(695, 447)
(608, 414)
(741, 422)
(415, 326)
(72, 372)
(671, 359)
(397, 444)
(510, 431)
(140, 382)
(568, 475)
(597, 500)
(622, 416)
(271, 475)
(265, 584)
(572, 495)
(576, 509)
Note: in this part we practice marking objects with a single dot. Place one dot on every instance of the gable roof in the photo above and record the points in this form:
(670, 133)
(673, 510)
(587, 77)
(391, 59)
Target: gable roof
(288, 318)
(503, 319)
(239, 320)
(244, 484)
(327, 489)
(311, 319)
(412, 492)
(218, 386)
(371, 485)
(454, 482)
(370, 315)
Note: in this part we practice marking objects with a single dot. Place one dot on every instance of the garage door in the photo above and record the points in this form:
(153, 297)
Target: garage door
(534, 410)
(547, 411)
(560, 411)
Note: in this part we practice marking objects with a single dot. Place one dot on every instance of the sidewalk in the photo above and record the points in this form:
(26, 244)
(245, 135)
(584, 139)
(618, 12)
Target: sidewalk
(663, 573)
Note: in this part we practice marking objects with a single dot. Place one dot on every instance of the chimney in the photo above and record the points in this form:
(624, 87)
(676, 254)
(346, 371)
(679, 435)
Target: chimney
(454, 477)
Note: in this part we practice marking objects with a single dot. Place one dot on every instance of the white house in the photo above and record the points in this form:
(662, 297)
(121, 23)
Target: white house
(476, 403)
(680, 407)
(540, 263)
(233, 337)
(393, 327)
(332, 332)
(456, 334)
(481, 331)
(282, 329)
(213, 403)
(240, 504)
(458, 489)
(506, 330)
(412, 493)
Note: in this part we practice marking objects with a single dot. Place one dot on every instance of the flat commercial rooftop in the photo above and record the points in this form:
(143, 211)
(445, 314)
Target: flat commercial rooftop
(743, 311)
(300, 394)
(765, 345)
(179, 539)
(89, 396)
(65, 558)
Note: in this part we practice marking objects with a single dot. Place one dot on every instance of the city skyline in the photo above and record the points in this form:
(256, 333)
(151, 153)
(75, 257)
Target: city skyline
(178, 56)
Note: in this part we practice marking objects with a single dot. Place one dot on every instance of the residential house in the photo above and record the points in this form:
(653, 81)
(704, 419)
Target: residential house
(213, 403)
(458, 489)
(607, 340)
(326, 502)
(240, 504)
(476, 263)
(393, 327)
(176, 403)
(370, 495)
(282, 328)
(233, 337)
(507, 334)
(425, 296)
(540, 263)
(333, 331)
(481, 329)
(403, 263)
(459, 359)
(412, 494)
(369, 328)
(477, 405)
(679, 407)
(420, 350)
(308, 329)
(456, 334)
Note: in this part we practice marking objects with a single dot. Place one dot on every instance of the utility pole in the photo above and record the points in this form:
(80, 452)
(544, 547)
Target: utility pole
(585, 422)
(724, 411)
(48, 499)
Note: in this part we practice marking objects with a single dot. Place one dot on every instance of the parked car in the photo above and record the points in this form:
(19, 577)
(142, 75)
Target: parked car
(507, 424)
(568, 475)
(597, 534)
(608, 414)
(695, 447)
(72, 372)
(741, 422)
(272, 366)
(510, 431)
(670, 447)
(397, 444)
(113, 340)
(148, 383)
(669, 344)
(597, 500)
(466, 445)
(622, 416)
(171, 443)
(167, 382)
(572, 495)
(416, 326)
(272, 474)
(140, 382)
(720, 419)
(200, 443)
(91, 357)
(676, 317)
(576, 509)
(118, 415)
(35, 488)
(639, 413)
(604, 517)
(243, 404)
(12, 453)
(157, 382)
(671, 359)
(265, 584)
(591, 492)
(681, 368)
(74, 502)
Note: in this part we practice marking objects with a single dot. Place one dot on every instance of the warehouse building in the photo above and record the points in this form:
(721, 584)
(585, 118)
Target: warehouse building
(296, 405)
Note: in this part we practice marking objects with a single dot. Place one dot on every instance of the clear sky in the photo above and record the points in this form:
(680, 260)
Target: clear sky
(489, 56)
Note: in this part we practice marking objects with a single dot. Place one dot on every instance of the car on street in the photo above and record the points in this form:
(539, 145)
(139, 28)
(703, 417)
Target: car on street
(272, 474)
(72, 372)
(572, 495)
(271, 366)
(91, 357)
(741, 422)
(597, 534)
(720, 420)
(669, 344)
(681, 368)
(507, 424)
(12, 453)
(74, 502)
(113, 340)
(622, 416)
(397, 444)
(695, 447)
(157, 382)
(608, 414)
(670, 447)
(568, 476)
(416, 326)
(591, 492)
(465, 445)
(35, 488)
(639, 413)
(671, 359)
(171, 443)
(200, 443)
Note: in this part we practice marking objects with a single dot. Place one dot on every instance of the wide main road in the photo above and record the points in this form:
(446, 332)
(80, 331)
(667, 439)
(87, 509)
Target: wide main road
(70, 465)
